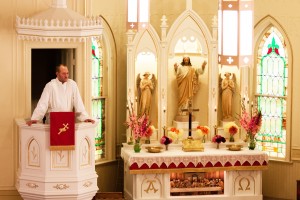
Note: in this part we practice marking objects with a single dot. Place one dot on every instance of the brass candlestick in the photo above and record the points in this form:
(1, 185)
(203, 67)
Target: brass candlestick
(216, 130)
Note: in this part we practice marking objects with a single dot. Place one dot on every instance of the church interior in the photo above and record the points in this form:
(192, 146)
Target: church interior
(196, 72)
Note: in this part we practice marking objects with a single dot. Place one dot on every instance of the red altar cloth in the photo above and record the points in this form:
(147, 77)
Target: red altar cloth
(62, 130)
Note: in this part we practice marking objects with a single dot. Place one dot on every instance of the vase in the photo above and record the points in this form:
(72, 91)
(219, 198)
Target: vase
(218, 145)
(167, 147)
(130, 141)
(231, 138)
(147, 141)
(203, 139)
(137, 146)
(252, 142)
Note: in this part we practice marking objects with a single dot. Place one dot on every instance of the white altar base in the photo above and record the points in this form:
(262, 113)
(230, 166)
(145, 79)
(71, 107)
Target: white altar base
(61, 175)
(147, 175)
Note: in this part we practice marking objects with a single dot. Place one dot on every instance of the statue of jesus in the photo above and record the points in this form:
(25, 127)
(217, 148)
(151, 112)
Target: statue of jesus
(187, 82)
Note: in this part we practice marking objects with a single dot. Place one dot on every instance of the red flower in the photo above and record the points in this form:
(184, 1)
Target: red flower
(165, 140)
(218, 139)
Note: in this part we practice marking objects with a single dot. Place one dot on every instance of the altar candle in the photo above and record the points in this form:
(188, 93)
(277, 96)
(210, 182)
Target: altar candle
(190, 124)
(251, 108)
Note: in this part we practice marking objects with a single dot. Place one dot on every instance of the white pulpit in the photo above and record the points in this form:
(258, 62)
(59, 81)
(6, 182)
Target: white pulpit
(66, 174)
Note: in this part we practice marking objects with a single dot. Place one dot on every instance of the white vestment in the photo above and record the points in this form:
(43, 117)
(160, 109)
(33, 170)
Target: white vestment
(60, 97)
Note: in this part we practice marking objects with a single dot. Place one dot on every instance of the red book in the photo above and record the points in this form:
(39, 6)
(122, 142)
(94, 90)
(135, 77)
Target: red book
(62, 130)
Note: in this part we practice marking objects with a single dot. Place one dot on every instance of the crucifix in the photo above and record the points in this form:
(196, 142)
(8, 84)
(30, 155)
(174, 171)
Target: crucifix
(190, 110)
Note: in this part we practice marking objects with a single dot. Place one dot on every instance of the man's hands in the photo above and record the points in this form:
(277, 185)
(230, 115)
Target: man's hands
(31, 122)
(89, 120)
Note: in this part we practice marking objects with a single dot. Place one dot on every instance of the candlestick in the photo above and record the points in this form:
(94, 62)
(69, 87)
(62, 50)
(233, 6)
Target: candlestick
(215, 127)
(127, 106)
(251, 108)
(164, 127)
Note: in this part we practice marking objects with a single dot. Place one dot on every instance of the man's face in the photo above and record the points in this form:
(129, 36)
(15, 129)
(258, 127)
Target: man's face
(63, 74)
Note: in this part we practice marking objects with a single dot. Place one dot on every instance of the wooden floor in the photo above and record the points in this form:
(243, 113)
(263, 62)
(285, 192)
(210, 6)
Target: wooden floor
(109, 196)
(119, 196)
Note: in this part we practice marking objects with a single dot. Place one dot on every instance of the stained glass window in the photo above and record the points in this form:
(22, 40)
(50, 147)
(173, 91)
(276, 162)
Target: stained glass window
(271, 93)
(98, 99)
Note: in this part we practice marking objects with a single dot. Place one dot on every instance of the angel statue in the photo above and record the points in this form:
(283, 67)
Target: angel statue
(227, 86)
(145, 87)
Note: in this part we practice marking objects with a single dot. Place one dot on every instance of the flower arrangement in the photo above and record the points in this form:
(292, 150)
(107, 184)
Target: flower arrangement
(251, 123)
(175, 134)
(165, 140)
(202, 131)
(231, 128)
(218, 139)
(140, 126)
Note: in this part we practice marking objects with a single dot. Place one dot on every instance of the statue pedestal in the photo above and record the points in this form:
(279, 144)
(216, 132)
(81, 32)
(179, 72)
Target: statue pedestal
(66, 174)
(185, 127)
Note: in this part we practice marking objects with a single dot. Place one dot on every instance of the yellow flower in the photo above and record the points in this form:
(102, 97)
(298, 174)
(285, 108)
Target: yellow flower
(175, 134)
(231, 128)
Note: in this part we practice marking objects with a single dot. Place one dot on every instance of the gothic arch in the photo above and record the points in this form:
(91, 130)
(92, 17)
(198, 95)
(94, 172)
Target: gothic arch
(110, 64)
(189, 14)
(190, 23)
(260, 29)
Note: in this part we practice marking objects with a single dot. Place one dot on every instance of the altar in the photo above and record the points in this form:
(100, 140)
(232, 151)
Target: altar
(175, 174)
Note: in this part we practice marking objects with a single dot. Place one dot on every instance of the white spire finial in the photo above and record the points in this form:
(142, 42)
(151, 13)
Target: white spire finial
(189, 4)
(59, 3)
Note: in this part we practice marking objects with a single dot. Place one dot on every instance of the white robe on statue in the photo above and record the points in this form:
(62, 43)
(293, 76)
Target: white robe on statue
(59, 97)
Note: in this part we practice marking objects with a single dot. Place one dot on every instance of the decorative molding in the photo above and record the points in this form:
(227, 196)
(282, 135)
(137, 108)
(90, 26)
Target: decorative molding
(58, 21)
(87, 184)
(61, 186)
(85, 156)
(32, 185)
(60, 159)
(33, 154)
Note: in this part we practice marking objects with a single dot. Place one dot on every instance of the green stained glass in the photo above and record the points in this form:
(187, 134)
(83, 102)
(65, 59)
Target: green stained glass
(98, 102)
(271, 94)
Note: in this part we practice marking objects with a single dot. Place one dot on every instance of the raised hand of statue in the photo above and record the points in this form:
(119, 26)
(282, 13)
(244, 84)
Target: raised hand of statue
(204, 64)
(175, 67)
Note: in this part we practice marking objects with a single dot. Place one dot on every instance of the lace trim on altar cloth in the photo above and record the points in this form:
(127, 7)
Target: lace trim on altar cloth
(179, 159)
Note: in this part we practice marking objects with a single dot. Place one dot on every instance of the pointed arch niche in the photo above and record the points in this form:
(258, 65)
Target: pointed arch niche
(142, 56)
(146, 51)
(189, 36)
